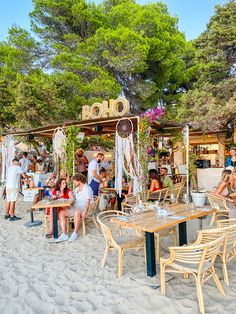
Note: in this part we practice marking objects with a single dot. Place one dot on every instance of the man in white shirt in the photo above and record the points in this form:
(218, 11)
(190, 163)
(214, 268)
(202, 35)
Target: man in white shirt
(83, 197)
(12, 187)
(94, 178)
(25, 163)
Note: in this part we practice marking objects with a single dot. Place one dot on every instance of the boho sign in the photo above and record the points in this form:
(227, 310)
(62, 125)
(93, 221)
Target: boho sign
(111, 108)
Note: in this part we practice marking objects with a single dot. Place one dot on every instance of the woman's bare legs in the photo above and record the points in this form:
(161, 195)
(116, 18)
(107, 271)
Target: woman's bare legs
(50, 217)
(63, 214)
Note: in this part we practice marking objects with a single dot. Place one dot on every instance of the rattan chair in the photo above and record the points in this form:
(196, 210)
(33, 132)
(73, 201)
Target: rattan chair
(220, 205)
(227, 251)
(162, 197)
(129, 201)
(196, 260)
(46, 222)
(176, 191)
(172, 231)
(159, 195)
(91, 214)
(226, 223)
(114, 239)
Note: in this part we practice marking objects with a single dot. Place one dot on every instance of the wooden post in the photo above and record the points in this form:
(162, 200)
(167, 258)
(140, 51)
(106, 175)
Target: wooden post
(221, 154)
(234, 134)
(187, 159)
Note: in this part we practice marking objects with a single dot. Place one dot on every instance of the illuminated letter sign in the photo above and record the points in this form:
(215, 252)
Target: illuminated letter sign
(113, 108)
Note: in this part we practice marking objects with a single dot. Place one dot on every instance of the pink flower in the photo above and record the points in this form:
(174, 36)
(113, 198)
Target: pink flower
(153, 114)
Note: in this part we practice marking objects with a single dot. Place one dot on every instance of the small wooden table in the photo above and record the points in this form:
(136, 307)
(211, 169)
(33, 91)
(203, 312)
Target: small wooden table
(34, 223)
(150, 223)
(54, 205)
(118, 198)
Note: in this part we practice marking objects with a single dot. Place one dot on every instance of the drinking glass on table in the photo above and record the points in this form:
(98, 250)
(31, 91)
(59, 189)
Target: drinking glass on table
(186, 199)
(193, 207)
(172, 198)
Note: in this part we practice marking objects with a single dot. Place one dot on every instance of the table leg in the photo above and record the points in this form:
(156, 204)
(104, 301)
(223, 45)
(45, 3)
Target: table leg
(33, 223)
(40, 195)
(32, 216)
(119, 201)
(55, 223)
(183, 233)
(200, 224)
(40, 198)
(150, 254)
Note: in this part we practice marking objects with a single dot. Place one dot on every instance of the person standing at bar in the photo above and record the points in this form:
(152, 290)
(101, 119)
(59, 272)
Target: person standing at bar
(25, 163)
(94, 178)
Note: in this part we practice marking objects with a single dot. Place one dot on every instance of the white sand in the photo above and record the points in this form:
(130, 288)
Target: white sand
(38, 277)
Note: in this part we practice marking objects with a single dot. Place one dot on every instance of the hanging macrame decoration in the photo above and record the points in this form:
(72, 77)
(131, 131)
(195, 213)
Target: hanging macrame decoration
(59, 143)
(8, 154)
(126, 159)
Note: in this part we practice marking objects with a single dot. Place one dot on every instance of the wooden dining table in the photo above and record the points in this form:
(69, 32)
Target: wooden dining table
(118, 198)
(60, 203)
(149, 222)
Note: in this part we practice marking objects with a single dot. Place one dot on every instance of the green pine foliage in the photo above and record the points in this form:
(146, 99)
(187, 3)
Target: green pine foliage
(212, 98)
(79, 52)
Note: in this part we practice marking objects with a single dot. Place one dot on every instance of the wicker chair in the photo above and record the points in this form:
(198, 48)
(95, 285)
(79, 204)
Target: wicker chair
(227, 251)
(91, 213)
(197, 260)
(159, 195)
(220, 205)
(226, 223)
(172, 231)
(129, 201)
(46, 222)
(115, 240)
(176, 191)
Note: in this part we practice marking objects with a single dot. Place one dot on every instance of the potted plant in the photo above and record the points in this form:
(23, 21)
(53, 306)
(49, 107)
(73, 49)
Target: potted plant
(198, 195)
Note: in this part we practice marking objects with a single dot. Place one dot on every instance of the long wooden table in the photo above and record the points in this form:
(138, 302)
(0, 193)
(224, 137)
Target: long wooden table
(149, 222)
(54, 205)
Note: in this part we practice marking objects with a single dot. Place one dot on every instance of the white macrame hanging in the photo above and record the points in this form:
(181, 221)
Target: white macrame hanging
(58, 143)
(8, 154)
(126, 159)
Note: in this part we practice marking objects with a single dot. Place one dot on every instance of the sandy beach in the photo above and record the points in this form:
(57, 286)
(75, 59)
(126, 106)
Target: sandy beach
(39, 277)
